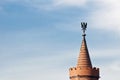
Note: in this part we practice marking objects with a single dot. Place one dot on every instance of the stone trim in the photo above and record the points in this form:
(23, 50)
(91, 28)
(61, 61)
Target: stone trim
(82, 76)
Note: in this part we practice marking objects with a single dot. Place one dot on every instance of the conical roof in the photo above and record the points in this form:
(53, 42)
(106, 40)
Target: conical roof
(84, 58)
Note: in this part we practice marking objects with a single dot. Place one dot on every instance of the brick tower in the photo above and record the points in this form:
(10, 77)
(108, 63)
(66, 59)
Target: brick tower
(84, 69)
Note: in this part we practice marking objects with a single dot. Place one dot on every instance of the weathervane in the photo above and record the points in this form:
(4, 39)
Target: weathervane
(84, 26)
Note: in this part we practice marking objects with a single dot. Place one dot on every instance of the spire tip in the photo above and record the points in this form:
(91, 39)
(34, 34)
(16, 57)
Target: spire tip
(84, 26)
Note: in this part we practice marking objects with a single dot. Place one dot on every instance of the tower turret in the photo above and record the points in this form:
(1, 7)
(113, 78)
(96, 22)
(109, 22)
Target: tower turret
(84, 69)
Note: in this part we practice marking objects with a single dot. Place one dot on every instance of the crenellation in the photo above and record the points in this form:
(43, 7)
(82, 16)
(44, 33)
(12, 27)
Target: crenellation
(70, 69)
(74, 68)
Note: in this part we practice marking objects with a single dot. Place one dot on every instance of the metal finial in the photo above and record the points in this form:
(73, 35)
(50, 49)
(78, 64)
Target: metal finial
(84, 26)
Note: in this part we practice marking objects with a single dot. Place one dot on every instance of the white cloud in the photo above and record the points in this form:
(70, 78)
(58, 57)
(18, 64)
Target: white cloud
(106, 16)
(53, 4)
(77, 3)
(103, 53)
(35, 68)
(110, 71)
(48, 4)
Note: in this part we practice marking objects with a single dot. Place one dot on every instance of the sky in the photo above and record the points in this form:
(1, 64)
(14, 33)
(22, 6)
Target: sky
(41, 39)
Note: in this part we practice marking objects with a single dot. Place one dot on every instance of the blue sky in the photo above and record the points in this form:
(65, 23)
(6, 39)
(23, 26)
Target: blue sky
(40, 39)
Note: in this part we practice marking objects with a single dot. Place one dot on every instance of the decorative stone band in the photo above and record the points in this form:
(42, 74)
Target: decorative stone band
(84, 76)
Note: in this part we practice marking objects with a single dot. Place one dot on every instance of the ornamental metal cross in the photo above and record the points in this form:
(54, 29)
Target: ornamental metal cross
(83, 26)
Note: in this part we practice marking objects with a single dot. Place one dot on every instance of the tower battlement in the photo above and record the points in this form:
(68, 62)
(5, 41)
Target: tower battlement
(84, 71)
(82, 68)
